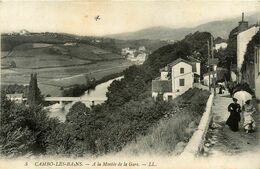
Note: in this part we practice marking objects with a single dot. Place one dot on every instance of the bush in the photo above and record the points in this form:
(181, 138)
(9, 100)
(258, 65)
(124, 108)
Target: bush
(163, 136)
(23, 129)
(14, 88)
(75, 136)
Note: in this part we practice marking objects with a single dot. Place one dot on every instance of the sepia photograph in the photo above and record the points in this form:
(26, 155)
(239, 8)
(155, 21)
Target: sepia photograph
(132, 84)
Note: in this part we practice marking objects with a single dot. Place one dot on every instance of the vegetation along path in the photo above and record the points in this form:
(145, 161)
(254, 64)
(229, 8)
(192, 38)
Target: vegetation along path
(221, 140)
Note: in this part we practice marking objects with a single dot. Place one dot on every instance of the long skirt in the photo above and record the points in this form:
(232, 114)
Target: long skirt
(233, 121)
(249, 122)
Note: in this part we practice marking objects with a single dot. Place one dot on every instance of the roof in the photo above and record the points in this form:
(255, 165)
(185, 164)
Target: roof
(211, 73)
(161, 86)
(251, 26)
(178, 61)
(164, 69)
(192, 59)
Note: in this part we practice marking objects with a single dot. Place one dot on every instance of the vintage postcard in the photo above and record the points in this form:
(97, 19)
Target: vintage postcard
(133, 84)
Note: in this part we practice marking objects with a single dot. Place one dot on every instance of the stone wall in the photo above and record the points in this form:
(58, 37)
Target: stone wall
(196, 142)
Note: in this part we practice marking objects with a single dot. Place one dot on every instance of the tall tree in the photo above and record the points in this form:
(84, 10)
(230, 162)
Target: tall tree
(34, 94)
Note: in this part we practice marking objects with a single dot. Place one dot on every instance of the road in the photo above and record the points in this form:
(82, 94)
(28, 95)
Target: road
(222, 141)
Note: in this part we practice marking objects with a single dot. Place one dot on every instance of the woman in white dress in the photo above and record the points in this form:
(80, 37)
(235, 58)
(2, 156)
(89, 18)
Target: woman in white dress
(249, 122)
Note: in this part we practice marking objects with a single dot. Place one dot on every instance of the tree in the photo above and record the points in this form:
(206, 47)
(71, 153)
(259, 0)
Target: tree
(75, 136)
(23, 129)
(78, 113)
(34, 94)
(192, 45)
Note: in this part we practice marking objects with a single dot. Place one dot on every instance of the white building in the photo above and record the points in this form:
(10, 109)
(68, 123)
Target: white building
(128, 51)
(209, 75)
(142, 49)
(140, 58)
(195, 65)
(176, 78)
(222, 45)
(257, 75)
(243, 39)
(182, 76)
(17, 98)
(24, 32)
(70, 44)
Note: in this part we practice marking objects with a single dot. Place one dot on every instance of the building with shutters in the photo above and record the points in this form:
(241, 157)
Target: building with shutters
(176, 78)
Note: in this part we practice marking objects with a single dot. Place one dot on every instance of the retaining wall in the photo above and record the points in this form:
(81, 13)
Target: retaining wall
(196, 142)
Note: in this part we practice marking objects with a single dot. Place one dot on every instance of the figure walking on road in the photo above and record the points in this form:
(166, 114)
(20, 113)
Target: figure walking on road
(249, 122)
(234, 117)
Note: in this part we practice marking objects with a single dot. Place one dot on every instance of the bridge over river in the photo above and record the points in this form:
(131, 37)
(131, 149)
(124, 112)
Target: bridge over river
(61, 100)
(71, 99)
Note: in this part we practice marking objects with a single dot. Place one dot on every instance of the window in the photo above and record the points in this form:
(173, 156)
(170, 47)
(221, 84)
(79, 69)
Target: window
(169, 98)
(182, 82)
(194, 68)
(182, 70)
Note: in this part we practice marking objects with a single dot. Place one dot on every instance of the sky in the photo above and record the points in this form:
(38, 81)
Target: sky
(117, 16)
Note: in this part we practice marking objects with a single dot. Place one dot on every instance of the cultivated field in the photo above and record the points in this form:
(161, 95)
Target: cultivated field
(58, 65)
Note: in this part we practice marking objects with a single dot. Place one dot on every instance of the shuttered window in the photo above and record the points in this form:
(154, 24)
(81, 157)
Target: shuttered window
(182, 82)
(182, 70)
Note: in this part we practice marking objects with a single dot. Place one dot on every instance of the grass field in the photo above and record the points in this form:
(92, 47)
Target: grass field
(59, 66)
(52, 79)
(40, 55)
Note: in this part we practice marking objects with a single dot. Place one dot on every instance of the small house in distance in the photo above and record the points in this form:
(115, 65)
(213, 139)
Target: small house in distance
(209, 75)
(17, 97)
(176, 78)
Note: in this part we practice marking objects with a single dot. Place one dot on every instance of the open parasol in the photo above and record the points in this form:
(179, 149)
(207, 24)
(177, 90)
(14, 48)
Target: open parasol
(242, 97)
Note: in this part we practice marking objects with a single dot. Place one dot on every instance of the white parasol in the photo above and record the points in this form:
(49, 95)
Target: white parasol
(242, 97)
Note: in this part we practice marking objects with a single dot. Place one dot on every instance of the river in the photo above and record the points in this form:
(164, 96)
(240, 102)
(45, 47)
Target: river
(99, 93)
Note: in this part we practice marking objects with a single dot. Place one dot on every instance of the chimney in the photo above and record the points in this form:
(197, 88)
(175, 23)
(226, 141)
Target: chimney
(242, 25)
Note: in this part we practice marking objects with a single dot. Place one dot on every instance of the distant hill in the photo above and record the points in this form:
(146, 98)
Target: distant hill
(217, 28)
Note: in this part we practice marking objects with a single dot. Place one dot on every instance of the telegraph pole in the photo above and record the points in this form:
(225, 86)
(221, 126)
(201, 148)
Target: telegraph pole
(212, 54)
(209, 65)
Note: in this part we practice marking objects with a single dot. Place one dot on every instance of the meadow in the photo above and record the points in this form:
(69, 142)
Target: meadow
(58, 65)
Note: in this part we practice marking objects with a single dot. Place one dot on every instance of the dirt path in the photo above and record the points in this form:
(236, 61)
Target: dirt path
(221, 140)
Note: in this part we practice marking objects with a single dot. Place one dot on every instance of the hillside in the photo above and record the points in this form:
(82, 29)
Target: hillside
(42, 55)
(216, 28)
(192, 45)
(61, 60)
(150, 44)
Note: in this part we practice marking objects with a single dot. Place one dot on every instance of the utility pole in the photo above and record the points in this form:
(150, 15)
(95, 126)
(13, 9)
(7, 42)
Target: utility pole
(209, 65)
(212, 54)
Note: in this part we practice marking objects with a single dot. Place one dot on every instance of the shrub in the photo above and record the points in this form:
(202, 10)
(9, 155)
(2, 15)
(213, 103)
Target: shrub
(163, 136)
(23, 129)
(75, 136)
